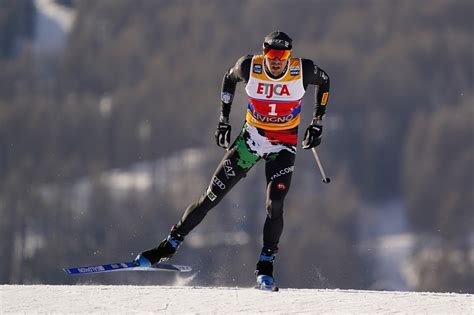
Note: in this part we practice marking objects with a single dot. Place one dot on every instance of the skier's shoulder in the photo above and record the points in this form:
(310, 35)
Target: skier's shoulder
(241, 68)
(244, 62)
(308, 65)
(312, 72)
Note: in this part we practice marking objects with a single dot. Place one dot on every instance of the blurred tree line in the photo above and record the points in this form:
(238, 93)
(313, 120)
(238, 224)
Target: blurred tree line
(139, 80)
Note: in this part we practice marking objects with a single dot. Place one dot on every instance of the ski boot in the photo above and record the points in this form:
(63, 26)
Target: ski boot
(264, 270)
(164, 251)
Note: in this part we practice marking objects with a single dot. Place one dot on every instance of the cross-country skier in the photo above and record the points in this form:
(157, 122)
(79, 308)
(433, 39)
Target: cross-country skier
(275, 84)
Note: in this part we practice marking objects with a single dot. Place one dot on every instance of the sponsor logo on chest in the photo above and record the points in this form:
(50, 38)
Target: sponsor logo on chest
(257, 68)
(270, 89)
(294, 70)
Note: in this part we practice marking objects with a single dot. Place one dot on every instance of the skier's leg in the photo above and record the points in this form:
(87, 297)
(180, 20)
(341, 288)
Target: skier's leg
(278, 170)
(238, 160)
(227, 174)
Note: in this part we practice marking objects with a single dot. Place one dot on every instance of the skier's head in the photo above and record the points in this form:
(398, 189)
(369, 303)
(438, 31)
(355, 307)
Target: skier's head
(277, 40)
(277, 49)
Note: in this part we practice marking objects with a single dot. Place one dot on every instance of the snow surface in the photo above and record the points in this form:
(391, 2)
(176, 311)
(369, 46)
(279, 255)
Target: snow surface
(219, 300)
(63, 16)
(53, 23)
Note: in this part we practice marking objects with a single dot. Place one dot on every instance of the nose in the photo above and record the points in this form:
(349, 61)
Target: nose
(276, 61)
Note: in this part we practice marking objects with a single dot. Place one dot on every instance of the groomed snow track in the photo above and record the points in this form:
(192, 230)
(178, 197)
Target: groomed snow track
(219, 300)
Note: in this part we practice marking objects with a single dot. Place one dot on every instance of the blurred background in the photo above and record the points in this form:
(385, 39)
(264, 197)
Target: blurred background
(107, 117)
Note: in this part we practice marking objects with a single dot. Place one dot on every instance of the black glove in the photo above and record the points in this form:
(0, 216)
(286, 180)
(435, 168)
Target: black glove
(223, 135)
(312, 136)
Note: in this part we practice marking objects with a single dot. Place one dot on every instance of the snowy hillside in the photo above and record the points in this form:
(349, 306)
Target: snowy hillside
(53, 23)
(206, 300)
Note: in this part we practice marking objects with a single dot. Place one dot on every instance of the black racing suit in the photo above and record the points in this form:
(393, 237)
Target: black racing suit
(277, 148)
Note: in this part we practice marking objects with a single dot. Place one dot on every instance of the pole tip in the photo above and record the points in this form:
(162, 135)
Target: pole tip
(326, 180)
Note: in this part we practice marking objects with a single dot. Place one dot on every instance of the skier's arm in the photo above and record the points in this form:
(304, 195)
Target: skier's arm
(314, 75)
(239, 72)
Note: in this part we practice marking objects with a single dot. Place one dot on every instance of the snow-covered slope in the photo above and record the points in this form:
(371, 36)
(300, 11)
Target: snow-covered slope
(53, 23)
(207, 300)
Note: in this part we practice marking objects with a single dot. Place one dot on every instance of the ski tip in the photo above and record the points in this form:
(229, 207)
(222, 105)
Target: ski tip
(172, 267)
(185, 269)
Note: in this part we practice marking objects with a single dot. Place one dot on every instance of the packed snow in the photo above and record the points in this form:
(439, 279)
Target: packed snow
(220, 300)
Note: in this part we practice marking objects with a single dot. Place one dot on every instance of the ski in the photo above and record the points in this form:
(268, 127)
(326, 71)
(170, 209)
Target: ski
(125, 266)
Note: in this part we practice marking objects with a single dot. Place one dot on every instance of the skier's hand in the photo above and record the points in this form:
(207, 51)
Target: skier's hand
(223, 135)
(312, 136)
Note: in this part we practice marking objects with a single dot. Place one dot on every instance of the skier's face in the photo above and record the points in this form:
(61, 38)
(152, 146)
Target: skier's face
(276, 66)
(276, 59)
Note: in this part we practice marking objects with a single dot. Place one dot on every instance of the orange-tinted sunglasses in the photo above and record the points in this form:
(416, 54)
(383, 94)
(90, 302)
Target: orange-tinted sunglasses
(274, 53)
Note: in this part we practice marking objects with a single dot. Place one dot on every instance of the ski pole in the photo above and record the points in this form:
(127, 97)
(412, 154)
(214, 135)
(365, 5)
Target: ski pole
(326, 180)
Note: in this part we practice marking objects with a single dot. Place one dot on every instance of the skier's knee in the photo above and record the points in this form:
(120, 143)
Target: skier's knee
(274, 208)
